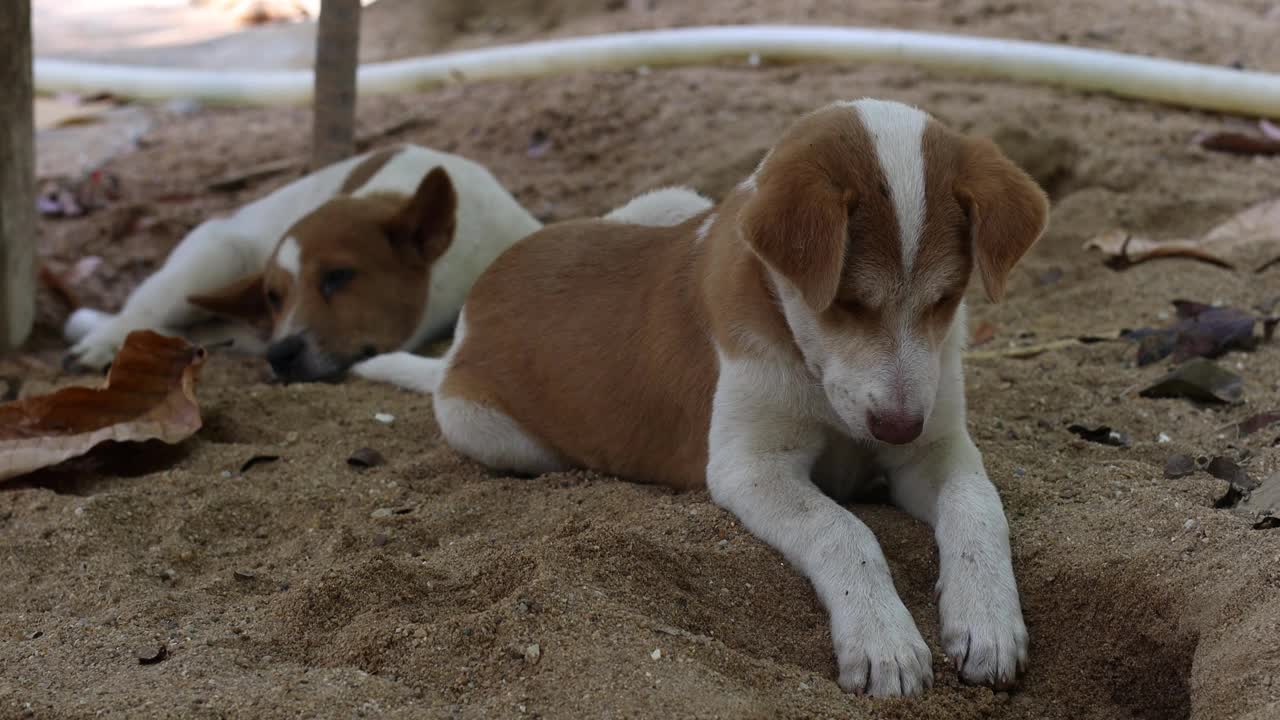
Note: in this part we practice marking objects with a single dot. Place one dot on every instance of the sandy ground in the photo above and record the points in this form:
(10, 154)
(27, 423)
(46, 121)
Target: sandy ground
(306, 588)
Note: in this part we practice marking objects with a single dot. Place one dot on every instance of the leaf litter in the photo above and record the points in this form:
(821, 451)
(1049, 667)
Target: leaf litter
(149, 395)
(1257, 225)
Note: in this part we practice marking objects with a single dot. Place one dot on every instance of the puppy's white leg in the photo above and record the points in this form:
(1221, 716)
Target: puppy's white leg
(493, 438)
(403, 369)
(760, 461)
(82, 322)
(212, 256)
(945, 485)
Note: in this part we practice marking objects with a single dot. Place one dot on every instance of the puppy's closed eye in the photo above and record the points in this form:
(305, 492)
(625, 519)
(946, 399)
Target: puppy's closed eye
(333, 281)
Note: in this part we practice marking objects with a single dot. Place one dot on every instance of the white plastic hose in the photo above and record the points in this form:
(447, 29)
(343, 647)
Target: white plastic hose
(1170, 81)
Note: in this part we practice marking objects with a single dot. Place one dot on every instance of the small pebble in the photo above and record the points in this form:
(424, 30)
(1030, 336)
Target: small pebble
(532, 654)
(1163, 438)
(656, 654)
(384, 418)
(245, 575)
(151, 654)
(1177, 466)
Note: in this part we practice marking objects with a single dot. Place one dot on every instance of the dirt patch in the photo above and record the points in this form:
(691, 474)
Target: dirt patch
(417, 588)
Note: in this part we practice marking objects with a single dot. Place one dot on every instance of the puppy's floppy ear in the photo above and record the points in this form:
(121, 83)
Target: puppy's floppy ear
(244, 299)
(1007, 211)
(797, 225)
(425, 225)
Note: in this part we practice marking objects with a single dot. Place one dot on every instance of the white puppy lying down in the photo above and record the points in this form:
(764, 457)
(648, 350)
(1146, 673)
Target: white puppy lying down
(783, 349)
(367, 256)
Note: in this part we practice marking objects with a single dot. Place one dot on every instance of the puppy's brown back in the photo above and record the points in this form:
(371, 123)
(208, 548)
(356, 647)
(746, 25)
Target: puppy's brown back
(592, 337)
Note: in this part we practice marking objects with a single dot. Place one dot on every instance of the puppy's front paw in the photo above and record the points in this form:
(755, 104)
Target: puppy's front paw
(97, 349)
(982, 629)
(881, 652)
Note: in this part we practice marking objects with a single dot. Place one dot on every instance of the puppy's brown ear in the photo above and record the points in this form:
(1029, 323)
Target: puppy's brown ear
(797, 225)
(244, 299)
(1007, 211)
(424, 226)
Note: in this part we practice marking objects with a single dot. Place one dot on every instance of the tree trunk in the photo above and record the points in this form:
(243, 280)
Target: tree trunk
(17, 176)
(337, 57)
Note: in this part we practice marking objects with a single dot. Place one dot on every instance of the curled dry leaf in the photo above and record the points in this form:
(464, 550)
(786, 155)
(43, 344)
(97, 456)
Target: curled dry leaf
(1257, 422)
(1200, 331)
(1239, 143)
(982, 334)
(1030, 351)
(1253, 226)
(1199, 380)
(149, 395)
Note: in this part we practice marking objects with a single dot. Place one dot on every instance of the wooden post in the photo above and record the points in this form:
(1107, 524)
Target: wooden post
(337, 58)
(17, 176)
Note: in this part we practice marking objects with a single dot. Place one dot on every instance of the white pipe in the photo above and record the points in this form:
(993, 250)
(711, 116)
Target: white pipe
(1179, 83)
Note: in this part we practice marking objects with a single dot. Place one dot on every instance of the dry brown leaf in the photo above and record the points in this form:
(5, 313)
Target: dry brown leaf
(66, 110)
(1239, 143)
(1030, 351)
(982, 334)
(149, 395)
(1255, 225)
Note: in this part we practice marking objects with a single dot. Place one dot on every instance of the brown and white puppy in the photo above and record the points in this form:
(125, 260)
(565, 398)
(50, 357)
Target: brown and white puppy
(369, 255)
(785, 348)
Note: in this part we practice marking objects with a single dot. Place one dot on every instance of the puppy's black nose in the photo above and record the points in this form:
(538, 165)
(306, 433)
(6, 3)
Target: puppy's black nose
(895, 428)
(283, 354)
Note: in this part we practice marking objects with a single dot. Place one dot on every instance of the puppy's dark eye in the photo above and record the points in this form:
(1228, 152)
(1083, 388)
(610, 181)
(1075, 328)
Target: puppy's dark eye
(334, 280)
(947, 301)
(851, 305)
(274, 301)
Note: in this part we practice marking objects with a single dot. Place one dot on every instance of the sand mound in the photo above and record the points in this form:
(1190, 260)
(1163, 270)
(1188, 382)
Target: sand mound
(429, 587)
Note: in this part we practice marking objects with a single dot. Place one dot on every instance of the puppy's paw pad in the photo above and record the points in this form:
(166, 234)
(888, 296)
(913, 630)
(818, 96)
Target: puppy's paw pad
(986, 646)
(894, 664)
(89, 358)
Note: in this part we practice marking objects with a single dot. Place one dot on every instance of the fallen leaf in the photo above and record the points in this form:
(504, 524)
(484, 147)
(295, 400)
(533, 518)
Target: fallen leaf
(366, 458)
(257, 460)
(1200, 331)
(1179, 466)
(73, 197)
(1239, 143)
(149, 395)
(1102, 435)
(1029, 351)
(66, 110)
(982, 334)
(1252, 226)
(241, 179)
(1257, 422)
(1123, 249)
(1200, 380)
(1224, 468)
(1265, 498)
(1229, 499)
